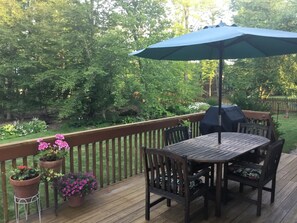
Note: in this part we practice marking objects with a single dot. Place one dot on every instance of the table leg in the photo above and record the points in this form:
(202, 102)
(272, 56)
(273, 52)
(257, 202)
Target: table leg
(218, 189)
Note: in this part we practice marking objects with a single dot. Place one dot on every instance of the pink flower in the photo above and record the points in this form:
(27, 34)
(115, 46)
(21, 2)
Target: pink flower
(42, 146)
(62, 144)
(59, 136)
(39, 140)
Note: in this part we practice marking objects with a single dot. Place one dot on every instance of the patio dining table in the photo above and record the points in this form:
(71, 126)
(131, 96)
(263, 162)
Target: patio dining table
(205, 149)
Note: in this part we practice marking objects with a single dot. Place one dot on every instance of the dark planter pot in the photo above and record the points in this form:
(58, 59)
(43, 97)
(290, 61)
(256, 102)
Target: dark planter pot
(75, 201)
(55, 165)
(25, 188)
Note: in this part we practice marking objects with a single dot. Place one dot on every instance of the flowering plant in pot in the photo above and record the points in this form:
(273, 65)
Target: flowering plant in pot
(25, 181)
(51, 155)
(75, 186)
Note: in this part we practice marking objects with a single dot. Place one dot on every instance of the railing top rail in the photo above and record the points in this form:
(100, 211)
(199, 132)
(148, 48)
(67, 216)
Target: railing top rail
(259, 115)
(28, 147)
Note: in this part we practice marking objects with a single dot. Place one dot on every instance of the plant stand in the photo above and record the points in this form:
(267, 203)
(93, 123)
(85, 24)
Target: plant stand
(25, 202)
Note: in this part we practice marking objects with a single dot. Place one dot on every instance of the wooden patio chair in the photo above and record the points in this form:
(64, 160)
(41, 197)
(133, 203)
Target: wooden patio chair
(257, 155)
(257, 175)
(181, 133)
(166, 174)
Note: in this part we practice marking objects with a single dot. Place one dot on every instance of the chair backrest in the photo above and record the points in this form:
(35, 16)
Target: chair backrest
(272, 158)
(166, 172)
(255, 129)
(176, 134)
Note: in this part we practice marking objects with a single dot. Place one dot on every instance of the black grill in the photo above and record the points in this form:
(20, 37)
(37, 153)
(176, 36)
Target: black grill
(231, 116)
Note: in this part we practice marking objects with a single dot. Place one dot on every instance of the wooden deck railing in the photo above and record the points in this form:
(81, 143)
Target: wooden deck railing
(111, 153)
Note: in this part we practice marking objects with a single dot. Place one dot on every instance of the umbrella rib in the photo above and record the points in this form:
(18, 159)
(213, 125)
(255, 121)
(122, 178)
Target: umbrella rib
(177, 49)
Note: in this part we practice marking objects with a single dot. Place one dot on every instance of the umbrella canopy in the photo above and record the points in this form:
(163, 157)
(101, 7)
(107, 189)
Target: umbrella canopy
(223, 42)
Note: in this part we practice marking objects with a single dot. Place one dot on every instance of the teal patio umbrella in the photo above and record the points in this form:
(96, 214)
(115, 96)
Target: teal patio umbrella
(222, 42)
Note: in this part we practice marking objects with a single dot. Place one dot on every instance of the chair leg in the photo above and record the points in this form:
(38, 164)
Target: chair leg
(272, 190)
(212, 175)
(259, 201)
(187, 212)
(206, 206)
(168, 203)
(147, 204)
(240, 187)
(225, 194)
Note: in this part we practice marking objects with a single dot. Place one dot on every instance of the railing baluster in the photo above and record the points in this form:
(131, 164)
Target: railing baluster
(25, 161)
(79, 158)
(140, 154)
(125, 157)
(4, 192)
(71, 160)
(13, 163)
(120, 158)
(101, 164)
(150, 139)
(158, 138)
(130, 155)
(94, 160)
(87, 155)
(113, 160)
(107, 161)
(135, 153)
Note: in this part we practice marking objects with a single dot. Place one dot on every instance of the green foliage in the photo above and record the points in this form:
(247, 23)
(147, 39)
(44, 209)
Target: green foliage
(49, 175)
(69, 60)
(249, 102)
(198, 106)
(263, 77)
(212, 101)
(24, 173)
(18, 129)
(287, 128)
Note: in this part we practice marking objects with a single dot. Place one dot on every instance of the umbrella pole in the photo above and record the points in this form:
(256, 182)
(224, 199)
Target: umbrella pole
(220, 93)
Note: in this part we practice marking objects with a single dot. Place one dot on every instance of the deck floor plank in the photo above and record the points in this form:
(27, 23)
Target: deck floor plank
(123, 202)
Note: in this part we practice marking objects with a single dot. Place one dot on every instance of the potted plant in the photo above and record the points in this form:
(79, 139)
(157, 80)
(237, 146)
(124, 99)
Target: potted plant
(25, 181)
(75, 186)
(51, 155)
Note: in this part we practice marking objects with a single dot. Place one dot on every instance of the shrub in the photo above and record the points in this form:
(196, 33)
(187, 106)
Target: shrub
(198, 106)
(17, 129)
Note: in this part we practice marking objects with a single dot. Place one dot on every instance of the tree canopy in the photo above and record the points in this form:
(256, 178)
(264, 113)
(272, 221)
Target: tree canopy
(68, 59)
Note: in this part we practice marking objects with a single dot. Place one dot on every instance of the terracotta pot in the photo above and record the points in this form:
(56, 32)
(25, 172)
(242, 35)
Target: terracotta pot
(25, 188)
(55, 165)
(75, 201)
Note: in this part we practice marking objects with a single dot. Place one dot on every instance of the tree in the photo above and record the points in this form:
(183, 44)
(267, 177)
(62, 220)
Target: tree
(262, 77)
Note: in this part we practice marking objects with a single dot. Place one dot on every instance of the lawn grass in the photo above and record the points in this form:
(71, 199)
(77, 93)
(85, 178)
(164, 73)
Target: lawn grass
(288, 128)
(62, 129)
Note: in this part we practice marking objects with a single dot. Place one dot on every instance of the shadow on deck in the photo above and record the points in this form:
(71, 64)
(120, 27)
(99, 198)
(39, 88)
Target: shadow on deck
(124, 202)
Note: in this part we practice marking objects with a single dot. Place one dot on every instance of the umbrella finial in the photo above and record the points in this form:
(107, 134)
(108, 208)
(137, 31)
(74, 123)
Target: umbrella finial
(221, 24)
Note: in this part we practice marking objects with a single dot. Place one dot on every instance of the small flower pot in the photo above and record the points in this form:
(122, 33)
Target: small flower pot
(75, 201)
(25, 188)
(54, 165)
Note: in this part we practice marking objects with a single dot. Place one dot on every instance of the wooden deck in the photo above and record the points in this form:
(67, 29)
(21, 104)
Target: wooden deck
(124, 202)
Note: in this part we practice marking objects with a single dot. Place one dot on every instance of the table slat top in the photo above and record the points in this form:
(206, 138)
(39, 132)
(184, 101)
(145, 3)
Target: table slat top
(206, 148)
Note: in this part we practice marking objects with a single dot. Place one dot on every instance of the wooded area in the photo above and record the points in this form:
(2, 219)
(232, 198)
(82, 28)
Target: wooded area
(68, 59)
